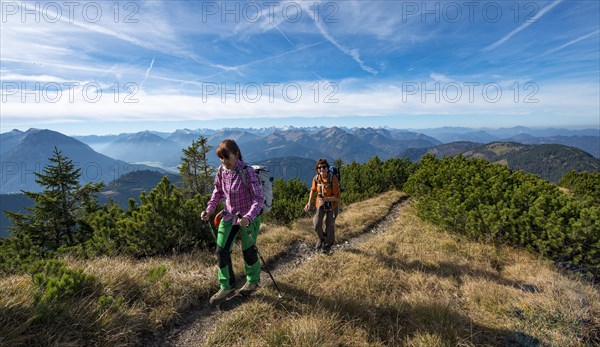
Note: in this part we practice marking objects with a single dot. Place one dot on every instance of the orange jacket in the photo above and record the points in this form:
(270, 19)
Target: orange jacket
(321, 186)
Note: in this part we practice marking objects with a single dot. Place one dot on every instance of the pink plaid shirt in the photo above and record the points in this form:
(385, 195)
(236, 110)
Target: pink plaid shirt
(246, 199)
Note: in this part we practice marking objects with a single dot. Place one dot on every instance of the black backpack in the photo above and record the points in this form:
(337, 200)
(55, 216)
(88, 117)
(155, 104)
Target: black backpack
(335, 171)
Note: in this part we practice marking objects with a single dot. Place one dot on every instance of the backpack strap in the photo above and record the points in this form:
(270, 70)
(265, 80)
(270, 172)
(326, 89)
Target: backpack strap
(316, 180)
(330, 180)
(243, 172)
(219, 175)
(245, 181)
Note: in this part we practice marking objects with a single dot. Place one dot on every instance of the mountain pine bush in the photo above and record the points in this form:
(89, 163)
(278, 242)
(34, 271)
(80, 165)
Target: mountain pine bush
(57, 283)
(164, 222)
(290, 198)
(490, 202)
(583, 185)
(363, 181)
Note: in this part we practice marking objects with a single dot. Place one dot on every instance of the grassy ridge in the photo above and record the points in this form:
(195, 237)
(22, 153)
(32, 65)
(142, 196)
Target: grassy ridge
(418, 286)
(130, 299)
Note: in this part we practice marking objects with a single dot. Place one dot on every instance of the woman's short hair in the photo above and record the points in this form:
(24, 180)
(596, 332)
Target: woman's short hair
(227, 147)
(321, 162)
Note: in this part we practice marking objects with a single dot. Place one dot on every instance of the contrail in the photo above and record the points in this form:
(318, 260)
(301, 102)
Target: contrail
(525, 25)
(147, 72)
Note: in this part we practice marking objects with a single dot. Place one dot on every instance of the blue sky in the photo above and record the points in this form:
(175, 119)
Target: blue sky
(166, 65)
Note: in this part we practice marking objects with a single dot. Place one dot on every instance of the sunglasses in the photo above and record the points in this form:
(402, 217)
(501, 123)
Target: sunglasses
(322, 167)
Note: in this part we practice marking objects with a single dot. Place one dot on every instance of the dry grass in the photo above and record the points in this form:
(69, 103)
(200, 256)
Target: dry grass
(147, 305)
(411, 286)
(418, 286)
(151, 303)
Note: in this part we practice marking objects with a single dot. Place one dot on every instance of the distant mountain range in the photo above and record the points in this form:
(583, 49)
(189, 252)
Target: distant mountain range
(291, 167)
(337, 142)
(550, 162)
(106, 158)
(132, 184)
(14, 203)
(448, 134)
(145, 147)
(331, 143)
(24, 153)
(590, 144)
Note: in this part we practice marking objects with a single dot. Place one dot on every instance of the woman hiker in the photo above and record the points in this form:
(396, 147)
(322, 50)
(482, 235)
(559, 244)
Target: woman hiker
(244, 197)
(327, 188)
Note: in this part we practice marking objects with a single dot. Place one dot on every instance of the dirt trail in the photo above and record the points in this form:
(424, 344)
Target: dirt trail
(198, 323)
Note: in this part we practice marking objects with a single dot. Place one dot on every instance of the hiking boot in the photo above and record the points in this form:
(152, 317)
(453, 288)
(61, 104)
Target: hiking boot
(248, 288)
(221, 295)
(319, 245)
(326, 249)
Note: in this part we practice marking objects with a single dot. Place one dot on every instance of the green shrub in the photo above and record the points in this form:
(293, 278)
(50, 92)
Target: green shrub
(584, 185)
(364, 181)
(488, 201)
(156, 273)
(55, 282)
(164, 223)
(289, 200)
(108, 302)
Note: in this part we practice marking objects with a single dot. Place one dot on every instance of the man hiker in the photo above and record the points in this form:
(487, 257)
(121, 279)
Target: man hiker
(244, 198)
(327, 189)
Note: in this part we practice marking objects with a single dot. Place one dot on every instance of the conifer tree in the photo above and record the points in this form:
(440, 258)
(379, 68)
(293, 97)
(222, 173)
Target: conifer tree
(338, 163)
(195, 171)
(58, 217)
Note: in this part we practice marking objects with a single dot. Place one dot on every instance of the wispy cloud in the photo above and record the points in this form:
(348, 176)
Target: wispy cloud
(42, 64)
(440, 78)
(48, 12)
(282, 34)
(168, 44)
(32, 78)
(259, 61)
(378, 99)
(571, 42)
(147, 72)
(533, 19)
(354, 53)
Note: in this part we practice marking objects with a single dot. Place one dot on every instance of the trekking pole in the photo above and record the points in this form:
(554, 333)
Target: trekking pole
(239, 216)
(212, 230)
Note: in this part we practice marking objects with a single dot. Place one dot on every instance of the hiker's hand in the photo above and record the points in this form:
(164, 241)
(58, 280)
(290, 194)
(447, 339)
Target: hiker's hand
(244, 222)
(307, 207)
(204, 216)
